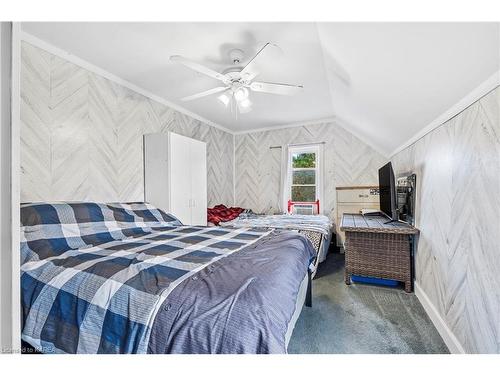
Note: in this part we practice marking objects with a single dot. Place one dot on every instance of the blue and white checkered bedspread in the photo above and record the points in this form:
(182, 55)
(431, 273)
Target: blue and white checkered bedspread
(94, 276)
(314, 223)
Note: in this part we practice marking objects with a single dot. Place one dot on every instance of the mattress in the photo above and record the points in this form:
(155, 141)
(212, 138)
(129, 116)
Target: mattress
(129, 278)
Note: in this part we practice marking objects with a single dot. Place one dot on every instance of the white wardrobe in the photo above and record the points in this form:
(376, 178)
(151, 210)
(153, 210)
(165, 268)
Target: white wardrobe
(175, 176)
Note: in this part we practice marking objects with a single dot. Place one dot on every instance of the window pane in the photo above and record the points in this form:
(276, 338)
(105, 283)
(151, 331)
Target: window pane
(305, 160)
(303, 193)
(306, 177)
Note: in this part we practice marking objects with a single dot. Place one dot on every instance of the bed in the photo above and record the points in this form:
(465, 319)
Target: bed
(129, 278)
(317, 228)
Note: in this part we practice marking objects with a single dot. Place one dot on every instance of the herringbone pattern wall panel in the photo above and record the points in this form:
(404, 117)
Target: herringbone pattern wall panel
(458, 255)
(347, 161)
(36, 159)
(81, 135)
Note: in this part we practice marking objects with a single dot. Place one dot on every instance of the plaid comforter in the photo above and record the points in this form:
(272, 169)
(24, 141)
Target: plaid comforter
(94, 276)
(315, 223)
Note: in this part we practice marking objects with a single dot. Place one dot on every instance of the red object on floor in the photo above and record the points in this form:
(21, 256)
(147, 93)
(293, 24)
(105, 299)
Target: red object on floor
(222, 213)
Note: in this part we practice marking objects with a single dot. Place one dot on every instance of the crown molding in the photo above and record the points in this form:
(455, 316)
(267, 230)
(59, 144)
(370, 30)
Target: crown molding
(37, 42)
(285, 126)
(337, 120)
(483, 89)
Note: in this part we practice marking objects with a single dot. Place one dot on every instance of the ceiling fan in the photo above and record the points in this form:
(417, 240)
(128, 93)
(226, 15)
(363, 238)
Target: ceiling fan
(238, 81)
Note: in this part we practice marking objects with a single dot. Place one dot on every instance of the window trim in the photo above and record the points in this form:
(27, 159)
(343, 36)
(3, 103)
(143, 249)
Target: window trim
(312, 148)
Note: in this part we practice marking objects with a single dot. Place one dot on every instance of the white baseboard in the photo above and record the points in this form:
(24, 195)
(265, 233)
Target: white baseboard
(447, 335)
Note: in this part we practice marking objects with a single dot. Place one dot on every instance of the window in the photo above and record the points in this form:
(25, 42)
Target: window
(303, 173)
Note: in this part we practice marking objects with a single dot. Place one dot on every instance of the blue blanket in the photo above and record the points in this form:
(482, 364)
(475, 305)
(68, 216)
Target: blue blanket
(98, 278)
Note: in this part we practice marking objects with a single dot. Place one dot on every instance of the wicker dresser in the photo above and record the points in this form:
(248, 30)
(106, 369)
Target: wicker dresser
(376, 249)
(351, 199)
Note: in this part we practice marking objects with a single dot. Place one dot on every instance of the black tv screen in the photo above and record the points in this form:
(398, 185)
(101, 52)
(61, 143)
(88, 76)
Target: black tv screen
(387, 191)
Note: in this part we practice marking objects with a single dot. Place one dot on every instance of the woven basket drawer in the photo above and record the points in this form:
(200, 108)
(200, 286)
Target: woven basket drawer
(383, 255)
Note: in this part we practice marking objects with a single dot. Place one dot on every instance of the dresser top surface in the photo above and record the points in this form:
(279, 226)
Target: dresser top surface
(374, 223)
(355, 187)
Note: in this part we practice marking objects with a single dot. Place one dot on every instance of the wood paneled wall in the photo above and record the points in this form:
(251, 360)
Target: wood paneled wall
(458, 206)
(81, 135)
(347, 161)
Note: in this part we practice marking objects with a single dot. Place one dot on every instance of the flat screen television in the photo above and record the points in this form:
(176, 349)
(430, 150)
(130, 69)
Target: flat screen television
(387, 191)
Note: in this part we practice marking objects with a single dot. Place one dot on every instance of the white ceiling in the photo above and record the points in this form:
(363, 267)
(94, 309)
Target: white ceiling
(386, 81)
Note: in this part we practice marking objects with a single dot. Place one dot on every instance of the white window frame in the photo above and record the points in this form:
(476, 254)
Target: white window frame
(300, 149)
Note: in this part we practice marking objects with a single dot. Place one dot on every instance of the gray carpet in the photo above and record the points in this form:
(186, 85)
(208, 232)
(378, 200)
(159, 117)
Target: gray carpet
(361, 318)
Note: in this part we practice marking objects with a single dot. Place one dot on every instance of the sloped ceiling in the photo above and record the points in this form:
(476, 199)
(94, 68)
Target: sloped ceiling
(399, 77)
(386, 81)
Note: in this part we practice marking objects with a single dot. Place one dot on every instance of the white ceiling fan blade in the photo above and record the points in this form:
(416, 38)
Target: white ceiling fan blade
(204, 93)
(250, 71)
(276, 88)
(200, 68)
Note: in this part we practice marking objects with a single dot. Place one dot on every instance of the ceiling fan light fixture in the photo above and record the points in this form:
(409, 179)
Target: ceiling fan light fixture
(241, 94)
(239, 81)
(244, 106)
(224, 98)
(245, 103)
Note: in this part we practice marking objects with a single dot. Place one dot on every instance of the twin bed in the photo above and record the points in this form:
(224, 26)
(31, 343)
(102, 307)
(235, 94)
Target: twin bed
(129, 278)
(317, 228)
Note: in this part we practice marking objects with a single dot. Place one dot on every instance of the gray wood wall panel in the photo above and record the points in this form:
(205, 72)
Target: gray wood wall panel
(81, 135)
(347, 161)
(458, 206)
